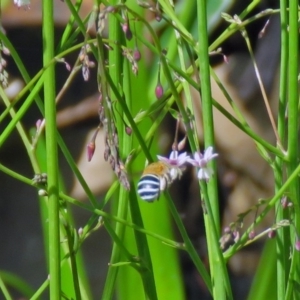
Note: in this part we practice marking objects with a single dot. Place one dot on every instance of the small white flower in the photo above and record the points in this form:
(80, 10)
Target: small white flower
(22, 3)
(201, 160)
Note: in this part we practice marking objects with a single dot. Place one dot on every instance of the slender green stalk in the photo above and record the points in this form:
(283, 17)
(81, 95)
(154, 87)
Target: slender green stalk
(147, 276)
(264, 276)
(185, 84)
(157, 50)
(16, 117)
(75, 170)
(130, 284)
(4, 290)
(261, 86)
(271, 203)
(69, 28)
(72, 261)
(121, 206)
(74, 278)
(240, 123)
(282, 241)
(39, 292)
(188, 78)
(97, 211)
(104, 214)
(130, 119)
(15, 175)
(189, 246)
(14, 282)
(10, 127)
(293, 148)
(51, 149)
(75, 17)
(126, 255)
(206, 96)
(221, 286)
(233, 27)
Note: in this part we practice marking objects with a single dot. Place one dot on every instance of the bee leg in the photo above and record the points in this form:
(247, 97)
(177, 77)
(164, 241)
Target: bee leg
(163, 184)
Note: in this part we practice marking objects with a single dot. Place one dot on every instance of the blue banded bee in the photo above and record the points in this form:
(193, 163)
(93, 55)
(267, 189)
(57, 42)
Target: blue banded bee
(156, 178)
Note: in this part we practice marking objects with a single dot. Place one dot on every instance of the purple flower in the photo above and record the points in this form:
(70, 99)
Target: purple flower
(201, 160)
(175, 159)
(176, 162)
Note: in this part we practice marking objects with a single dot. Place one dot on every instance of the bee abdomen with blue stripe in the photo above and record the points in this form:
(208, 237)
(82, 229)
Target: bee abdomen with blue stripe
(149, 187)
(156, 178)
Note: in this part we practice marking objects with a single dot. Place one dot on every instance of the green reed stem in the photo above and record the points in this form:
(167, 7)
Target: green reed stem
(293, 147)
(51, 149)
(121, 206)
(221, 285)
(282, 241)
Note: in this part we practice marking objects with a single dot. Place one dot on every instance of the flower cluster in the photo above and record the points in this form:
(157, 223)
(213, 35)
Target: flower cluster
(40, 178)
(86, 63)
(178, 161)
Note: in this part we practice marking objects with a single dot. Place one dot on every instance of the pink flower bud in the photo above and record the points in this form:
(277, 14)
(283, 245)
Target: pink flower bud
(92, 146)
(38, 124)
(297, 245)
(284, 202)
(158, 16)
(181, 144)
(85, 73)
(159, 91)
(227, 229)
(91, 64)
(225, 59)
(5, 51)
(42, 193)
(100, 98)
(68, 67)
(110, 9)
(91, 150)
(126, 29)
(271, 234)
(81, 56)
(128, 130)
(236, 235)
(80, 231)
(251, 235)
(136, 54)
(3, 62)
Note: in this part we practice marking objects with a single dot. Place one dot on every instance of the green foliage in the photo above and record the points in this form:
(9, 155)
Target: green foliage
(151, 59)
